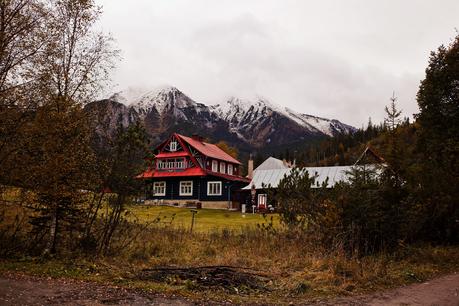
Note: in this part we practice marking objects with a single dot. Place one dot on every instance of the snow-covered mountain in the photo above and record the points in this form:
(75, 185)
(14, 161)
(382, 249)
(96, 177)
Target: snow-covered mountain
(166, 99)
(244, 115)
(243, 123)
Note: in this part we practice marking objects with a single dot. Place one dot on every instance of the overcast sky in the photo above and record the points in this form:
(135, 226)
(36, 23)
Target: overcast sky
(336, 59)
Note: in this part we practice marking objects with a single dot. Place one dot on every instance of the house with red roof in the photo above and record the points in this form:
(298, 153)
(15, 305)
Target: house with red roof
(186, 171)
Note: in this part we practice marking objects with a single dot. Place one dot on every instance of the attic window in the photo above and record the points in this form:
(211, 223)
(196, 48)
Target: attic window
(173, 146)
(230, 169)
(215, 166)
(171, 163)
(222, 167)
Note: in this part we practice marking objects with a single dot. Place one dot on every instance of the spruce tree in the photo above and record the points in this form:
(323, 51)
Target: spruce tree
(438, 133)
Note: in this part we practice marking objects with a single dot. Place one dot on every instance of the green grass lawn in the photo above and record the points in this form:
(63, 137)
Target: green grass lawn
(206, 220)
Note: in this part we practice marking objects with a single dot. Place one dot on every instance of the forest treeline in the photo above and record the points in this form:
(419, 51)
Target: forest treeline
(341, 149)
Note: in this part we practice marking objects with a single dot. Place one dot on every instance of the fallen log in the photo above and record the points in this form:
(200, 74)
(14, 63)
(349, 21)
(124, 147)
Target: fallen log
(226, 277)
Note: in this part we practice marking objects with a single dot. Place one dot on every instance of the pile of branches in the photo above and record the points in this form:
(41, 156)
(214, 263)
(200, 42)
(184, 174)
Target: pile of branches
(224, 277)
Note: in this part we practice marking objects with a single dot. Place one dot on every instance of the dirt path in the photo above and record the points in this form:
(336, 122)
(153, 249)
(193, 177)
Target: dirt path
(443, 291)
(16, 289)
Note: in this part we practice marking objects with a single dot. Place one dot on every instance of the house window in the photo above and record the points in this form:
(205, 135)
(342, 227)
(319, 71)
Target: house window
(173, 146)
(175, 163)
(214, 188)
(186, 188)
(180, 163)
(159, 188)
(222, 167)
(215, 166)
(230, 169)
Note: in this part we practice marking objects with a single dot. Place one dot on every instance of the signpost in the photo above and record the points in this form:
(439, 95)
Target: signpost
(193, 213)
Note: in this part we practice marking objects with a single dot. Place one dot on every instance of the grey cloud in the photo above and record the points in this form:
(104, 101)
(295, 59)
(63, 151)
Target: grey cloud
(337, 59)
(295, 76)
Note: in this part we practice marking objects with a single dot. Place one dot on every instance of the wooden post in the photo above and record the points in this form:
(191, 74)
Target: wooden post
(193, 213)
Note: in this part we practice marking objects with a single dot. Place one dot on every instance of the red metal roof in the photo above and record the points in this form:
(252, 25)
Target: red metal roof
(209, 149)
(229, 177)
(196, 171)
(171, 154)
(151, 173)
(147, 174)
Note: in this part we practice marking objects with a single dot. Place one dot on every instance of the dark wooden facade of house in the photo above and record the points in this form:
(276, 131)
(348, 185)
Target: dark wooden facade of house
(187, 170)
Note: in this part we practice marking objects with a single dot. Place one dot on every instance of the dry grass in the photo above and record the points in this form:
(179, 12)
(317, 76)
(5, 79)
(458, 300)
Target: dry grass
(295, 266)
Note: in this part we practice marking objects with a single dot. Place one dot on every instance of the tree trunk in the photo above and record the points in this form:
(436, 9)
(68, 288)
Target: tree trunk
(114, 222)
(92, 215)
(53, 230)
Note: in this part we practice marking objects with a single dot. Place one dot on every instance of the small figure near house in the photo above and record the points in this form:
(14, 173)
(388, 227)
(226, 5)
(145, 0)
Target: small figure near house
(186, 171)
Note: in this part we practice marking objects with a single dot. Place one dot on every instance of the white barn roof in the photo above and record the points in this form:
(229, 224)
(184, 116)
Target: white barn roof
(272, 163)
(274, 176)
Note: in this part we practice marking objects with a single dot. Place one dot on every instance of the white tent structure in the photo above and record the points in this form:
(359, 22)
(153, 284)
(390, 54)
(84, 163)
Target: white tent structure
(272, 177)
(272, 171)
(272, 163)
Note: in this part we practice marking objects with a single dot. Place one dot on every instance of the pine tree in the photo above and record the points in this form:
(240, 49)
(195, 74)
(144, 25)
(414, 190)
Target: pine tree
(393, 120)
(297, 202)
(438, 100)
(393, 114)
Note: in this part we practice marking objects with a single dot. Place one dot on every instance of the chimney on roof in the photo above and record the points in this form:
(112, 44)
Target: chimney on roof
(250, 167)
(197, 137)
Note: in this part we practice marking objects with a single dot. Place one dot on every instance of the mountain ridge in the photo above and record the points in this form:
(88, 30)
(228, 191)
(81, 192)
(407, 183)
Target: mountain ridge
(245, 123)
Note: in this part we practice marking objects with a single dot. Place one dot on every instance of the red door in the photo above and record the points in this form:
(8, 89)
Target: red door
(262, 199)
